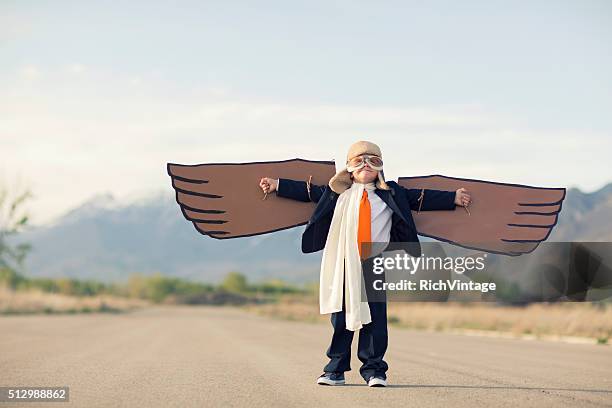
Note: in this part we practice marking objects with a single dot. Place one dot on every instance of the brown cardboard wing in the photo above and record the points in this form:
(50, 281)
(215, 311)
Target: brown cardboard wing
(511, 219)
(225, 201)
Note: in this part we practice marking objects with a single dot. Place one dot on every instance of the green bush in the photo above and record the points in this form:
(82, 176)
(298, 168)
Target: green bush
(235, 282)
(11, 278)
(157, 287)
(276, 287)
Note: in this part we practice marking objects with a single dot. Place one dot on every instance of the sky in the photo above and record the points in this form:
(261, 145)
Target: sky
(98, 96)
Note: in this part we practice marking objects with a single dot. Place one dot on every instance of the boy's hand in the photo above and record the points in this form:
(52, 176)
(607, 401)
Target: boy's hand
(463, 198)
(268, 185)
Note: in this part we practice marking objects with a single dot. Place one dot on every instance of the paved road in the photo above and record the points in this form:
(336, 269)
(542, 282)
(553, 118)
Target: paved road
(204, 356)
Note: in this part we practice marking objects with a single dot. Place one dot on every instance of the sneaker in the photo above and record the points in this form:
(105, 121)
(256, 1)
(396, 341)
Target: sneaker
(377, 382)
(331, 379)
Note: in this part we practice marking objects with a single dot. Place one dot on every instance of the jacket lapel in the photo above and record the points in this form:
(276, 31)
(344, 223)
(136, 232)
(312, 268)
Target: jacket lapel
(386, 196)
(327, 203)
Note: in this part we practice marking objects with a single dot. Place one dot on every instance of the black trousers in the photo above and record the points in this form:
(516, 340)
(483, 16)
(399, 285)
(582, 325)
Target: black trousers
(372, 344)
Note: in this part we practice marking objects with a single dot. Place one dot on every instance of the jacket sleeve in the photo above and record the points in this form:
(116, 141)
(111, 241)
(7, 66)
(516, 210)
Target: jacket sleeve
(298, 190)
(423, 199)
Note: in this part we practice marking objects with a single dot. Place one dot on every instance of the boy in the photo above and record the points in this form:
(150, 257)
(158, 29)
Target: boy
(358, 206)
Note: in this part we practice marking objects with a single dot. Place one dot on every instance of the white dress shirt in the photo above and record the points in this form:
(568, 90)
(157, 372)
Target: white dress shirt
(380, 216)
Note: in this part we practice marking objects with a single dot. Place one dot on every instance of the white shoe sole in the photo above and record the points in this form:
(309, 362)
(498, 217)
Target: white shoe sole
(377, 382)
(327, 381)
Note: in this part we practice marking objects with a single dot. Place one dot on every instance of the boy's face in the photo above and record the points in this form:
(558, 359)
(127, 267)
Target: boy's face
(365, 174)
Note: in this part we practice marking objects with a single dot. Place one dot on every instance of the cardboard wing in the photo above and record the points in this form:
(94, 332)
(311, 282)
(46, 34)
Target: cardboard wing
(224, 200)
(510, 219)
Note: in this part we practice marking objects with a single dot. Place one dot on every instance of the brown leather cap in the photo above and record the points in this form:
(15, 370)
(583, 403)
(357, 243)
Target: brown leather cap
(342, 180)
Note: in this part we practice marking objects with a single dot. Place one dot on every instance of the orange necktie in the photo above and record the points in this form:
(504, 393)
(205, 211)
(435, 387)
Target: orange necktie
(364, 232)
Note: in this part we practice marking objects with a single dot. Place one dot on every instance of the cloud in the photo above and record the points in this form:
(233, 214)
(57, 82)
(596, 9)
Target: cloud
(30, 72)
(76, 137)
(76, 68)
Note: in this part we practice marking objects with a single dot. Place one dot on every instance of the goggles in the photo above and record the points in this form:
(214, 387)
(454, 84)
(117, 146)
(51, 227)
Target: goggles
(358, 162)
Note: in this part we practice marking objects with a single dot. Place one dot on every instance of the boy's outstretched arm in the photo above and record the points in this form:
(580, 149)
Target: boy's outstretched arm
(428, 200)
(293, 189)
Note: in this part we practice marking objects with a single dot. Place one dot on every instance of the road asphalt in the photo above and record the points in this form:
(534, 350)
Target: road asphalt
(184, 356)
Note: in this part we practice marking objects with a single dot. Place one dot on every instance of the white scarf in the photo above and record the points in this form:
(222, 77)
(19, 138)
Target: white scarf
(341, 250)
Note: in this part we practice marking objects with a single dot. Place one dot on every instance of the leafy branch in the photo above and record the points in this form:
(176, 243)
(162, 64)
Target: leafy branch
(13, 220)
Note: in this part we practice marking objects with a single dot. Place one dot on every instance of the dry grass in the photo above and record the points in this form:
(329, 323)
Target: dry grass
(560, 319)
(291, 307)
(36, 301)
(540, 320)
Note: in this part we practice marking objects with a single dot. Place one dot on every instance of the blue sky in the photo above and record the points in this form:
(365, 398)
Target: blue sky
(98, 96)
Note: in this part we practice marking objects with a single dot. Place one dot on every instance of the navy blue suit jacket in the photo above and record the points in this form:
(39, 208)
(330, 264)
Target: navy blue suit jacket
(400, 199)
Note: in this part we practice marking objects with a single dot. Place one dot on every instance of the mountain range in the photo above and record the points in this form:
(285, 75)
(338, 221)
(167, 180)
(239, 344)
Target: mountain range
(107, 240)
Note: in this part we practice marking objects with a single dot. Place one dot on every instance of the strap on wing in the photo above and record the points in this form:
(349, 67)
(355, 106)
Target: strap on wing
(224, 200)
(510, 219)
